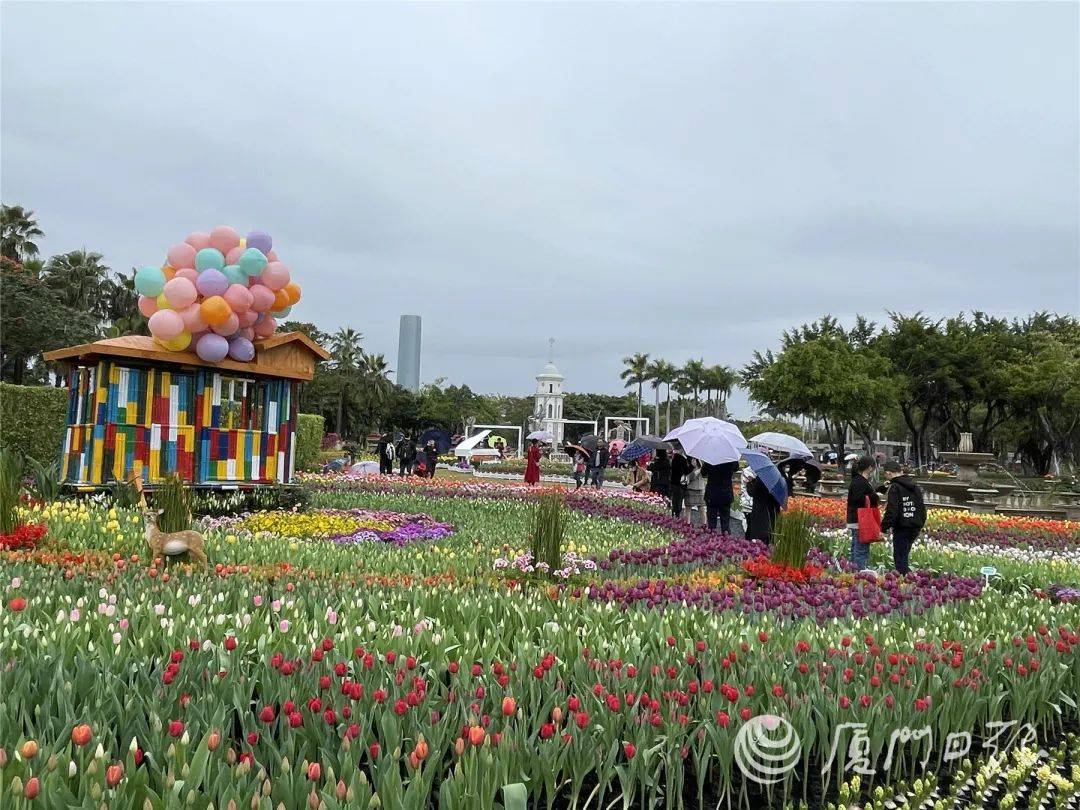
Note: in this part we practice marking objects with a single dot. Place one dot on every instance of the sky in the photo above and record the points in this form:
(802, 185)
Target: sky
(686, 180)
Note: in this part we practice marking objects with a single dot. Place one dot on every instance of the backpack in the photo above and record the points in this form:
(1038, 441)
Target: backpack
(911, 509)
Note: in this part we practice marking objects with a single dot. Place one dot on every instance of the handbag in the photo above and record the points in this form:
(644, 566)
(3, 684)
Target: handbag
(869, 519)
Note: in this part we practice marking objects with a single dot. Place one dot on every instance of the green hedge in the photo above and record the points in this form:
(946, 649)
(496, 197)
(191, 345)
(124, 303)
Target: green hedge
(33, 419)
(309, 433)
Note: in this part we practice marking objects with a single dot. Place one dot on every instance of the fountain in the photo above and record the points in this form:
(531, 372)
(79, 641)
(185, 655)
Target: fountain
(966, 489)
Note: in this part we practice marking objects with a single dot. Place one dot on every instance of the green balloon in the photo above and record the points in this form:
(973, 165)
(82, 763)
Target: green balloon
(252, 261)
(235, 275)
(208, 258)
(150, 281)
(281, 313)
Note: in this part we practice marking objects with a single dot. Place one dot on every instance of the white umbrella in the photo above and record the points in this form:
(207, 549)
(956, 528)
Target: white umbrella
(364, 468)
(712, 440)
(851, 456)
(781, 441)
(541, 436)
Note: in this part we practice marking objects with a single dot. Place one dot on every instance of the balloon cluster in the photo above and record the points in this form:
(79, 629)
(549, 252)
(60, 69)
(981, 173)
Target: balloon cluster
(217, 293)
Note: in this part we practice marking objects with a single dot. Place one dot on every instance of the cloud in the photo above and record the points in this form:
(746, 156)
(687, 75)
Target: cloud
(686, 180)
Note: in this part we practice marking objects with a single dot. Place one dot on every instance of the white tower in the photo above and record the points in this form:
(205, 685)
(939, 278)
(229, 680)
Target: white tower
(549, 397)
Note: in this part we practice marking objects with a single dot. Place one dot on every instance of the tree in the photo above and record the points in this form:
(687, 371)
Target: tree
(346, 357)
(720, 379)
(693, 375)
(825, 372)
(121, 307)
(80, 281)
(18, 230)
(661, 372)
(635, 373)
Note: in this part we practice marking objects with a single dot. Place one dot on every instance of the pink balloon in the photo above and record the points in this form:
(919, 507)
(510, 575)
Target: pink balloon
(198, 240)
(271, 256)
(193, 320)
(182, 255)
(239, 298)
(247, 317)
(275, 275)
(247, 332)
(224, 238)
(165, 324)
(233, 256)
(180, 293)
(190, 273)
(262, 298)
(147, 305)
(228, 327)
(265, 327)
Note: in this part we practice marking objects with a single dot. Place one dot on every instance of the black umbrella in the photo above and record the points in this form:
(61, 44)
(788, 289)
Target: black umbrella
(652, 442)
(589, 442)
(437, 435)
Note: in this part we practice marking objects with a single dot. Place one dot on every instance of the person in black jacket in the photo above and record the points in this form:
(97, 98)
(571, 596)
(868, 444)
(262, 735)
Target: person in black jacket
(719, 494)
(858, 492)
(384, 450)
(905, 514)
(406, 456)
(598, 463)
(763, 513)
(680, 468)
(660, 468)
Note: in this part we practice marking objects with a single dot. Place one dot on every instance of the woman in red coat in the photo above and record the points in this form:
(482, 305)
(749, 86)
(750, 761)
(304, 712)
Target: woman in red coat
(532, 468)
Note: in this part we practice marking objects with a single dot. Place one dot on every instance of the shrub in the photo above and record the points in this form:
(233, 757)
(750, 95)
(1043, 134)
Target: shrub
(11, 470)
(33, 420)
(309, 436)
(792, 538)
(549, 529)
(46, 479)
(173, 499)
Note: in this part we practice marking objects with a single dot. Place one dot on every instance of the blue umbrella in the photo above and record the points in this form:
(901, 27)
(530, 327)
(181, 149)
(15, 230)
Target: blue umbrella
(439, 436)
(770, 476)
(634, 451)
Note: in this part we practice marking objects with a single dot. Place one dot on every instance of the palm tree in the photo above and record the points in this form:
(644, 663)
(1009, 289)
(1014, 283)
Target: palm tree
(18, 230)
(665, 373)
(693, 373)
(375, 372)
(121, 307)
(347, 356)
(634, 374)
(80, 281)
(682, 387)
(722, 380)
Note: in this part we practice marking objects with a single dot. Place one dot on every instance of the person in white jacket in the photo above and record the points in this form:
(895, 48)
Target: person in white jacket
(746, 502)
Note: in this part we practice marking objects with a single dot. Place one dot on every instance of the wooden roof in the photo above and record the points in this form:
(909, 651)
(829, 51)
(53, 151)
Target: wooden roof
(291, 355)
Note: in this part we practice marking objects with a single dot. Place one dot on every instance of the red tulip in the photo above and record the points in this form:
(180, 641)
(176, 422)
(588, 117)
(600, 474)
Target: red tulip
(509, 706)
(33, 788)
(113, 775)
(629, 750)
(176, 728)
(80, 735)
(18, 604)
(314, 771)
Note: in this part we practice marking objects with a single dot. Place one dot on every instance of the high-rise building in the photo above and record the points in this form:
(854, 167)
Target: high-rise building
(408, 353)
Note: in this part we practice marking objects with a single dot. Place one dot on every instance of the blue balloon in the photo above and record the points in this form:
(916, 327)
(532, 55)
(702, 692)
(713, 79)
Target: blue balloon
(209, 258)
(252, 261)
(281, 313)
(150, 281)
(235, 275)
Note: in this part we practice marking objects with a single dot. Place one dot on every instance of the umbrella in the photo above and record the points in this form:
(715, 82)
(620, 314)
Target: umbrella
(545, 436)
(768, 474)
(364, 468)
(615, 446)
(439, 436)
(652, 442)
(570, 449)
(851, 456)
(712, 440)
(589, 442)
(781, 441)
(634, 451)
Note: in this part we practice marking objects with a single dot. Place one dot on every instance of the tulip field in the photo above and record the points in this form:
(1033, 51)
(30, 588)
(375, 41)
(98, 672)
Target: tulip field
(392, 643)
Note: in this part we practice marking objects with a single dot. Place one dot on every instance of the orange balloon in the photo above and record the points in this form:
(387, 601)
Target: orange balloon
(169, 272)
(281, 300)
(215, 310)
(293, 291)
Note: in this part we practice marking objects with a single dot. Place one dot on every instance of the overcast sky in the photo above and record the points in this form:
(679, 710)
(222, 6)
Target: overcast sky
(686, 180)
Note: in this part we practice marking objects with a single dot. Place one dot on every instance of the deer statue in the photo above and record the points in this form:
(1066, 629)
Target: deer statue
(167, 544)
(170, 544)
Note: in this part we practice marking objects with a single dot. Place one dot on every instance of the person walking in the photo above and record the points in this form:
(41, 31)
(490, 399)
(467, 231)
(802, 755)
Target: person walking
(719, 494)
(859, 492)
(407, 456)
(680, 468)
(532, 464)
(431, 458)
(660, 467)
(579, 469)
(694, 504)
(384, 450)
(905, 514)
(598, 463)
(763, 512)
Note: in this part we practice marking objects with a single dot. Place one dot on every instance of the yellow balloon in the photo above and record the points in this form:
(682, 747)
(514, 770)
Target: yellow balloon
(162, 302)
(243, 242)
(178, 343)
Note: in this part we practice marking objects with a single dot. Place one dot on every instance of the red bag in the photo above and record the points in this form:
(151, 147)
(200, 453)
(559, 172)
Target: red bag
(869, 523)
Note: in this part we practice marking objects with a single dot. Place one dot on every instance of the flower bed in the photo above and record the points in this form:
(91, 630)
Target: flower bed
(342, 526)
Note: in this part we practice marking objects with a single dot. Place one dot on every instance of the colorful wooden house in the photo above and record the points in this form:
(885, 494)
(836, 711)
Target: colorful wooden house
(134, 406)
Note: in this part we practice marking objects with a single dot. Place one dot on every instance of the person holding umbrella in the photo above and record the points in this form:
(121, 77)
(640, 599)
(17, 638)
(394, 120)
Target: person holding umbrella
(680, 469)
(598, 463)
(532, 466)
(660, 468)
(763, 512)
(719, 494)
